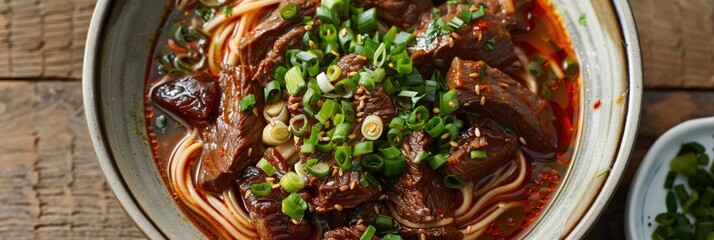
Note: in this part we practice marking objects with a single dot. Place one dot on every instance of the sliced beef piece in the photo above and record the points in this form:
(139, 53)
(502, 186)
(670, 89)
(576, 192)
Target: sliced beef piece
(404, 14)
(419, 194)
(484, 39)
(266, 211)
(499, 146)
(274, 157)
(448, 232)
(507, 102)
(276, 56)
(192, 97)
(347, 233)
(366, 212)
(352, 62)
(327, 197)
(261, 40)
(231, 142)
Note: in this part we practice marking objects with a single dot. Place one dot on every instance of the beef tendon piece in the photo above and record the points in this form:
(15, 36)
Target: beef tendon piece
(491, 93)
(231, 142)
(404, 14)
(192, 97)
(420, 197)
(483, 135)
(485, 38)
(347, 233)
(266, 211)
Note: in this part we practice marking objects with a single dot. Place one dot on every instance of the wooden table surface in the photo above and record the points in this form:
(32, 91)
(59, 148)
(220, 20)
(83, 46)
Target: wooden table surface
(51, 185)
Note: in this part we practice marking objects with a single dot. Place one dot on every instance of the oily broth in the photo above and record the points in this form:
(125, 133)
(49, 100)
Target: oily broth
(546, 37)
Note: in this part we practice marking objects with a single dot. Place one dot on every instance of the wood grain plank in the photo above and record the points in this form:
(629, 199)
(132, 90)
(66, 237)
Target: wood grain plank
(52, 185)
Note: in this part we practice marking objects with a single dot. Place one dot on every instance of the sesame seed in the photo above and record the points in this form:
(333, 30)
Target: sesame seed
(270, 179)
(294, 106)
(477, 88)
(363, 97)
(473, 8)
(359, 119)
(340, 172)
(352, 136)
(295, 222)
(352, 74)
(451, 42)
(391, 65)
(343, 32)
(330, 183)
(466, 104)
(360, 114)
(359, 222)
(248, 193)
(473, 75)
(325, 139)
(277, 185)
(480, 35)
(344, 188)
(384, 196)
(312, 44)
(436, 110)
(360, 106)
(255, 111)
(522, 140)
(328, 32)
(338, 207)
(352, 185)
(272, 122)
(456, 35)
(422, 236)
(360, 57)
(334, 173)
(250, 151)
(452, 104)
(360, 91)
(308, 27)
(454, 144)
(372, 128)
(446, 135)
(376, 209)
(505, 85)
(335, 53)
(477, 132)
(483, 100)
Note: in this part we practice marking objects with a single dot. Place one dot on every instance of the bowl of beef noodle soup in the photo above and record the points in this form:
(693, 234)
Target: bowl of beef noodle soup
(363, 119)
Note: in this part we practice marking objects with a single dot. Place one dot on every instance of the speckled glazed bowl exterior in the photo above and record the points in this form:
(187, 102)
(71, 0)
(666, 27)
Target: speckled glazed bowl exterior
(118, 47)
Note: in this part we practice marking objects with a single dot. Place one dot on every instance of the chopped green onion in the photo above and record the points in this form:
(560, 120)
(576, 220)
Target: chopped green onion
(390, 86)
(394, 136)
(247, 103)
(298, 131)
(363, 148)
(478, 13)
(421, 156)
(328, 33)
(380, 55)
(453, 131)
(267, 168)
(369, 233)
(261, 189)
(343, 157)
(367, 21)
(389, 151)
(449, 102)
(327, 15)
(417, 119)
(490, 44)
(346, 88)
(288, 11)
(326, 147)
(324, 83)
(453, 181)
(434, 126)
(318, 170)
(372, 127)
(671, 202)
(403, 38)
(391, 236)
(329, 109)
(394, 166)
(383, 222)
(271, 91)
(478, 155)
(373, 162)
(404, 66)
(669, 181)
(465, 15)
(333, 72)
(291, 182)
(367, 81)
(294, 81)
(294, 206)
(397, 123)
(436, 161)
(341, 132)
(456, 23)
(367, 179)
(348, 111)
(685, 164)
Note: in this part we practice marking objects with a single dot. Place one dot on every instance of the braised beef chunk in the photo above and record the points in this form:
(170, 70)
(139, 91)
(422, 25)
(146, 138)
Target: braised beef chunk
(419, 194)
(483, 135)
(347, 233)
(485, 38)
(273, 156)
(266, 211)
(343, 191)
(276, 56)
(403, 14)
(364, 213)
(231, 142)
(352, 62)
(260, 41)
(192, 97)
(376, 103)
(506, 101)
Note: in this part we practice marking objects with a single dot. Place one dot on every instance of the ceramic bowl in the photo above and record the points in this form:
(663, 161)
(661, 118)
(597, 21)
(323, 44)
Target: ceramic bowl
(117, 51)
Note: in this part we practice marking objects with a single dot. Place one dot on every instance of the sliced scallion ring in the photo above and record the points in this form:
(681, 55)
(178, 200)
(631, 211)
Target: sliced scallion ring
(372, 127)
(318, 170)
(277, 133)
